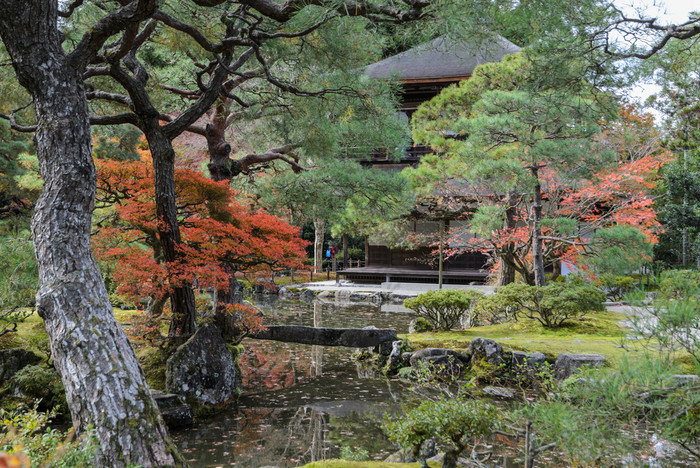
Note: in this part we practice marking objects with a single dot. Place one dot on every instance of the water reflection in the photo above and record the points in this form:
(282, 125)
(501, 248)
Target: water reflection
(301, 403)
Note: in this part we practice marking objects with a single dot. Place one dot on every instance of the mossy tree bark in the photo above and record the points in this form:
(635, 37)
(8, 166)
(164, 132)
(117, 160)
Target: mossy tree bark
(105, 387)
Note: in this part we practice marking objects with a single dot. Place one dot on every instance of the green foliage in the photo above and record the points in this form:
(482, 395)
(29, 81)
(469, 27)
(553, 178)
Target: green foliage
(353, 453)
(18, 280)
(28, 432)
(591, 417)
(40, 384)
(551, 305)
(674, 319)
(117, 143)
(455, 422)
(679, 284)
(619, 250)
(442, 308)
(616, 286)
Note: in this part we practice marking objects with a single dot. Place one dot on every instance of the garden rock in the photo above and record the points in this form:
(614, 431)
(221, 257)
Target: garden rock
(395, 356)
(401, 456)
(532, 360)
(499, 392)
(406, 358)
(443, 360)
(285, 293)
(203, 369)
(687, 379)
(484, 349)
(567, 364)
(12, 360)
(427, 354)
(307, 295)
(175, 412)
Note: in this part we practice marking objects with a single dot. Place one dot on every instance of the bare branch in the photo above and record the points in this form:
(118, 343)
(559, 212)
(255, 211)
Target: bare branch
(13, 122)
(113, 97)
(116, 119)
(111, 24)
(282, 154)
(207, 98)
(194, 128)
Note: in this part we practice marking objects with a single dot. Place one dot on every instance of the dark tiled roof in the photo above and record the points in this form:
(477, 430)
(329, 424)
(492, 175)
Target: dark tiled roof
(441, 58)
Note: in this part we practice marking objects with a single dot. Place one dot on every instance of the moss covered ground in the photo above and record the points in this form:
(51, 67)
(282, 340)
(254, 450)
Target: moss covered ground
(365, 464)
(597, 332)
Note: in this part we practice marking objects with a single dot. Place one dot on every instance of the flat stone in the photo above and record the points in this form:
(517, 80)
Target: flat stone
(567, 364)
(499, 392)
(351, 337)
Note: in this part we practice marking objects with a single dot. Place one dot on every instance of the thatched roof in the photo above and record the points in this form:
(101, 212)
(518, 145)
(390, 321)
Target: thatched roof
(441, 59)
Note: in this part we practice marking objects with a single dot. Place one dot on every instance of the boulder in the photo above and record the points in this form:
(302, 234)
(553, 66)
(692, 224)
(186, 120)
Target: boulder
(307, 295)
(428, 353)
(444, 361)
(401, 456)
(286, 293)
(567, 364)
(12, 360)
(406, 358)
(202, 369)
(486, 350)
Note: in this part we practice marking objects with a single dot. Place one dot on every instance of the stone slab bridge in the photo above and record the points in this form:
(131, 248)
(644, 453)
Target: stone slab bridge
(350, 337)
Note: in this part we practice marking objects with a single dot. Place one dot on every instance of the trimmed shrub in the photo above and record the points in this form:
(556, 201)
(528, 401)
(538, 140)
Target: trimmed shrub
(551, 305)
(457, 423)
(616, 286)
(442, 308)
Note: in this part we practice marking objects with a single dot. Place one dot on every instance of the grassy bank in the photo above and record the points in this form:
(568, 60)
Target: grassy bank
(597, 332)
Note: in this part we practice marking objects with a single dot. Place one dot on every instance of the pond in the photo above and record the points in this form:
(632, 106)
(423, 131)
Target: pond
(302, 403)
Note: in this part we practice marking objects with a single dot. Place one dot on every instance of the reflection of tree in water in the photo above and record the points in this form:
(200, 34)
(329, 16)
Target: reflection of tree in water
(268, 365)
(308, 428)
(260, 437)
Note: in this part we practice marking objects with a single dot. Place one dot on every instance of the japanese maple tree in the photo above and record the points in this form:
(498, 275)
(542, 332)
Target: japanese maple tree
(219, 234)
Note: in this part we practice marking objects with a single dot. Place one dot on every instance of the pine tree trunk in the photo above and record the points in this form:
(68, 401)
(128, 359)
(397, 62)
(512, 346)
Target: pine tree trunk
(183, 311)
(319, 232)
(105, 387)
(507, 275)
(536, 228)
(220, 165)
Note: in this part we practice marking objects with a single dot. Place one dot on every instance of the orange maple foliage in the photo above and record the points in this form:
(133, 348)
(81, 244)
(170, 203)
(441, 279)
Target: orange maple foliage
(616, 196)
(219, 235)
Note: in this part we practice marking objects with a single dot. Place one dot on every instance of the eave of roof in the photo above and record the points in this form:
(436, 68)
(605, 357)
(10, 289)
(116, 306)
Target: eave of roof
(441, 59)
